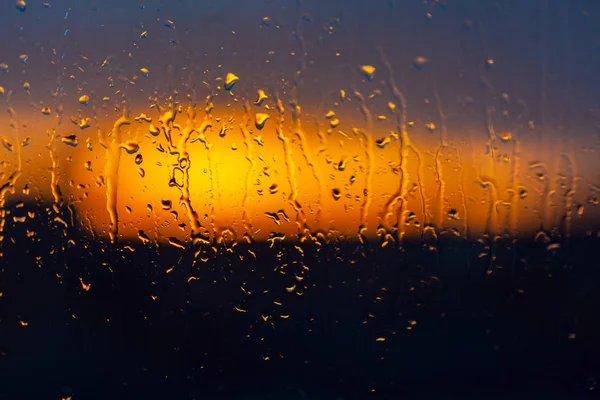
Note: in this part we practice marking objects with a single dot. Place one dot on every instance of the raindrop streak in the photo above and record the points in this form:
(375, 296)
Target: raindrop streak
(366, 142)
(9, 186)
(113, 159)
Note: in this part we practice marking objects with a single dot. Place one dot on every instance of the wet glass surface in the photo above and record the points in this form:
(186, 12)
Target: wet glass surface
(299, 199)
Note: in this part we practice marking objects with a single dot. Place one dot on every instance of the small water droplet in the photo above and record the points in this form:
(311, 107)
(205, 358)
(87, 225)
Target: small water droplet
(153, 130)
(505, 136)
(523, 193)
(452, 214)
(85, 99)
(139, 159)
(4, 67)
(70, 140)
(46, 110)
(368, 71)
(85, 123)
(144, 72)
(166, 204)
(489, 63)
(230, 81)
(88, 165)
(7, 145)
(21, 5)
(274, 188)
(260, 120)
(144, 35)
(130, 146)
(336, 194)
(420, 63)
(261, 97)
(430, 126)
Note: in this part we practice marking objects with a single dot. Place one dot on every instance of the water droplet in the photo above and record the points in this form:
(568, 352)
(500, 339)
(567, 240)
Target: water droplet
(2, 91)
(166, 204)
(85, 99)
(329, 114)
(505, 136)
(144, 72)
(70, 140)
(260, 120)
(4, 67)
(230, 81)
(489, 63)
(420, 63)
(368, 71)
(153, 130)
(452, 214)
(261, 97)
(7, 145)
(21, 5)
(523, 193)
(85, 286)
(26, 86)
(381, 143)
(88, 165)
(130, 146)
(336, 193)
(334, 123)
(139, 159)
(274, 188)
(46, 110)
(85, 123)
(430, 126)
(26, 141)
(144, 35)
(290, 289)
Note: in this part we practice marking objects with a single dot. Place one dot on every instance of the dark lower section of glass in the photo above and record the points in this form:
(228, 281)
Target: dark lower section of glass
(452, 319)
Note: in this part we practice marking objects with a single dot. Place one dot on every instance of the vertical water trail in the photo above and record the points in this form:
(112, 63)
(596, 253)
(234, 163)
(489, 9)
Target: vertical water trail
(570, 193)
(113, 159)
(438, 216)
(184, 163)
(366, 141)
(514, 202)
(9, 186)
(491, 224)
(290, 169)
(299, 132)
(463, 196)
(399, 195)
(249, 156)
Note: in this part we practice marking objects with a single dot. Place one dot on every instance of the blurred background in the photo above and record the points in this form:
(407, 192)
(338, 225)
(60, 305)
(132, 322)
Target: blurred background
(301, 199)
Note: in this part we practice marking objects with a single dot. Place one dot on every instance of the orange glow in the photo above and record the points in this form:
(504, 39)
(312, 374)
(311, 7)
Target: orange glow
(221, 171)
